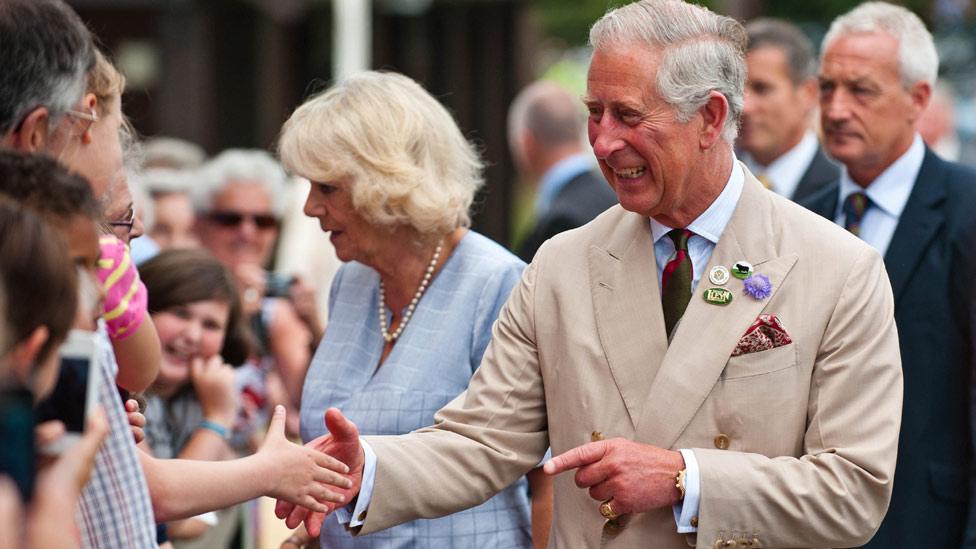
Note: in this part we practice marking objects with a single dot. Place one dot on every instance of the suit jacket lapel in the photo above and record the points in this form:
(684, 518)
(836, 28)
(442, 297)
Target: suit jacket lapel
(627, 306)
(708, 333)
(918, 224)
(824, 201)
(819, 173)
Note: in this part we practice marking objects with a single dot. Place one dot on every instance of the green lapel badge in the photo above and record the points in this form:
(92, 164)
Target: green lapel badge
(742, 270)
(718, 296)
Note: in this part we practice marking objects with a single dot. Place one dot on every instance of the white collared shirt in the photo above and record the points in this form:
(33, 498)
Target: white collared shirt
(708, 228)
(889, 194)
(785, 172)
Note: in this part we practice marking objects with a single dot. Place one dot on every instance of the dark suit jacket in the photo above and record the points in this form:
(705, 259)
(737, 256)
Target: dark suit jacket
(821, 172)
(586, 196)
(930, 263)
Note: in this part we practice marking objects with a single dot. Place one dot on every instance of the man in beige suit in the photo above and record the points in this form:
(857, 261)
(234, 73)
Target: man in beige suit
(770, 415)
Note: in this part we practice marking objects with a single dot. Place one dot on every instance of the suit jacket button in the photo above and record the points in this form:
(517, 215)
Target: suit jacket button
(694, 522)
(719, 544)
(732, 544)
(362, 516)
(722, 442)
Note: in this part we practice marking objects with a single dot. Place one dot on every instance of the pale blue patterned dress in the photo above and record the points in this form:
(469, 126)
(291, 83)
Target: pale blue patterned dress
(430, 364)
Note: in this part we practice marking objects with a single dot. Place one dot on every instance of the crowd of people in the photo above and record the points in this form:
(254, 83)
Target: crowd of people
(745, 315)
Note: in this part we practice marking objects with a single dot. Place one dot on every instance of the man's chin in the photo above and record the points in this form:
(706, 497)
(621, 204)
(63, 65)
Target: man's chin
(841, 150)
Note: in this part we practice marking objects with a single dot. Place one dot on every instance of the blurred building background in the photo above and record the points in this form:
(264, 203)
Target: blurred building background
(226, 73)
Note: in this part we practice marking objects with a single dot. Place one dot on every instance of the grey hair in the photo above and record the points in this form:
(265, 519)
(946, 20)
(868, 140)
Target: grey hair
(172, 153)
(767, 32)
(141, 199)
(549, 112)
(701, 52)
(918, 60)
(407, 161)
(45, 54)
(241, 166)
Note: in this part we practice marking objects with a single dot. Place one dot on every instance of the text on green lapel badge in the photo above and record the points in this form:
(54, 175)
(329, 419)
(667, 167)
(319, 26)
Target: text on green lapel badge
(718, 296)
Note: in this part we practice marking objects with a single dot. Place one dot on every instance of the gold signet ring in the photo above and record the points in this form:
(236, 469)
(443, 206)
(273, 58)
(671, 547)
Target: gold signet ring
(607, 511)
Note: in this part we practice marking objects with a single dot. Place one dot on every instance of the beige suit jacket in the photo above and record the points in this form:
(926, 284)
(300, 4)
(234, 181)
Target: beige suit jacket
(808, 431)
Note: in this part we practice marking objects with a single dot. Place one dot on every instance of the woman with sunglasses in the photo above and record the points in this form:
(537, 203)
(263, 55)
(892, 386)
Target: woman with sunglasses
(410, 312)
(239, 202)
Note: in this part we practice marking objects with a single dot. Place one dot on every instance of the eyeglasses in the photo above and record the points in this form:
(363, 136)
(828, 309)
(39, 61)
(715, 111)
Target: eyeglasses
(127, 223)
(235, 219)
(91, 117)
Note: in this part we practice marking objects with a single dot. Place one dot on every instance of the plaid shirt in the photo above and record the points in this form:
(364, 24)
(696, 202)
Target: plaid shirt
(115, 510)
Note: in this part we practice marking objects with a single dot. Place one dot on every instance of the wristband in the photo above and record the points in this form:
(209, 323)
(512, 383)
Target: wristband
(215, 427)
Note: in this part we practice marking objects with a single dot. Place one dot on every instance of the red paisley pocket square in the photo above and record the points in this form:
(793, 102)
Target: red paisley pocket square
(766, 333)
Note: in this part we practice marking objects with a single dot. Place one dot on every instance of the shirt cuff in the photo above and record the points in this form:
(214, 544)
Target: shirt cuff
(686, 510)
(351, 515)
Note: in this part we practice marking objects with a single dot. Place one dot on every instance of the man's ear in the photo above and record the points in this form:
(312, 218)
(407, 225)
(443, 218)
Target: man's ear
(809, 91)
(90, 104)
(529, 152)
(31, 136)
(714, 113)
(24, 354)
(920, 93)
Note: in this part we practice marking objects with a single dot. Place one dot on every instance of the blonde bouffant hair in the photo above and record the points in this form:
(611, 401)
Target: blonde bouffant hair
(399, 149)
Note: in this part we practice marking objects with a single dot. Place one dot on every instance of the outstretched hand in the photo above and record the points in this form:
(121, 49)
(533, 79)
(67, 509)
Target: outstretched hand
(301, 475)
(342, 443)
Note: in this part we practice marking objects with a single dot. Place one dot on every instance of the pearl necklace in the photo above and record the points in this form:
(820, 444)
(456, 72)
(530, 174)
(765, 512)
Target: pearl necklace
(387, 336)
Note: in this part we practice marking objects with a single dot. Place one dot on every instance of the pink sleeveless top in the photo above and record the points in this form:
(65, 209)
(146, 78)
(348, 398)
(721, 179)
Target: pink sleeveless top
(125, 294)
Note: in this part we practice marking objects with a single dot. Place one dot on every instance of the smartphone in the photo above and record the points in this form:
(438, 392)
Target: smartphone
(75, 395)
(17, 434)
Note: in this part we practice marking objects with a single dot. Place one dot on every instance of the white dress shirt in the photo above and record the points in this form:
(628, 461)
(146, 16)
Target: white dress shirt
(785, 172)
(888, 193)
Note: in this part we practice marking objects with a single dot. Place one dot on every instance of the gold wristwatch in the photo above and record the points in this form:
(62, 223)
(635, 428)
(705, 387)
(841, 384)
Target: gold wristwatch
(679, 483)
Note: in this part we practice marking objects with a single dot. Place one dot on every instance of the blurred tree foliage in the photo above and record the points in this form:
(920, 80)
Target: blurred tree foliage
(569, 20)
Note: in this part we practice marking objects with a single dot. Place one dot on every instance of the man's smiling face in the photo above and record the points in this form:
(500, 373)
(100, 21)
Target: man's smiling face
(645, 153)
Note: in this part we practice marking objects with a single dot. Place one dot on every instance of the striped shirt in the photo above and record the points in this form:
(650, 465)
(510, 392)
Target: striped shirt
(125, 294)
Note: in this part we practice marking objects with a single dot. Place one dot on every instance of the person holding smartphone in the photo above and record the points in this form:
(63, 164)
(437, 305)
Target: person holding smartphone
(35, 323)
(161, 490)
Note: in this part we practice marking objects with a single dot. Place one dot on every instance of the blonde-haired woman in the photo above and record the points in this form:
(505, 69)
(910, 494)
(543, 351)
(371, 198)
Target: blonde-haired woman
(410, 313)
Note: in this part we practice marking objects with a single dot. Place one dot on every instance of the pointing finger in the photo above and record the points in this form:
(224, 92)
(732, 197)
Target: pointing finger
(577, 457)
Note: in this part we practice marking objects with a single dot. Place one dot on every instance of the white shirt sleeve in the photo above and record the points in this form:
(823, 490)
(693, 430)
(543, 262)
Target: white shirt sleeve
(687, 509)
(352, 516)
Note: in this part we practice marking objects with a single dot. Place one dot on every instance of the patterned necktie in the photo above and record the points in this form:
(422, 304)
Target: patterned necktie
(676, 280)
(854, 207)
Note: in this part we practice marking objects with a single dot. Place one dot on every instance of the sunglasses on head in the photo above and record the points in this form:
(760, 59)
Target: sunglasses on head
(235, 219)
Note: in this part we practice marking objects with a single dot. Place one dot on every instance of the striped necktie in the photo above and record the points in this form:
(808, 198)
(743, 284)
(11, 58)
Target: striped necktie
(676, 280)
(854, 207)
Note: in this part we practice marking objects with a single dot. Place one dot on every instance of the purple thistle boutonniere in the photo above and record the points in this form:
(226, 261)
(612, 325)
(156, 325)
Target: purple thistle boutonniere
(758, 286)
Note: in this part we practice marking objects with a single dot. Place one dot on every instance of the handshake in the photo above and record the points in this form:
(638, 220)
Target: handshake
(342, 443)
